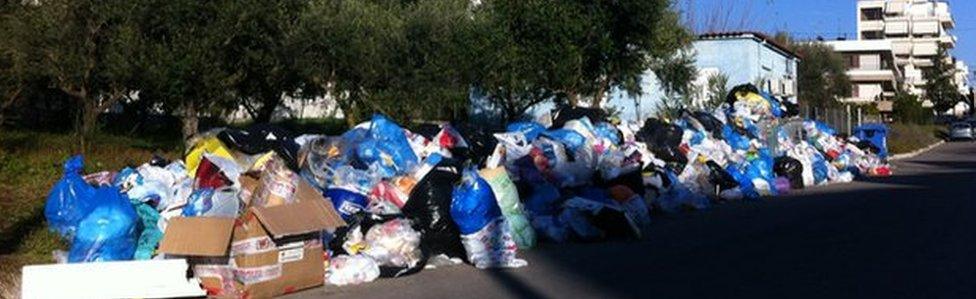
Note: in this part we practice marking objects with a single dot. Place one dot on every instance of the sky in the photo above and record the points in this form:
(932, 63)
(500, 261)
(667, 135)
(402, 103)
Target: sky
(808, 19)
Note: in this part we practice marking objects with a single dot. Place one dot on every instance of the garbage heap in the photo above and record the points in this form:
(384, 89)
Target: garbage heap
(262, 212)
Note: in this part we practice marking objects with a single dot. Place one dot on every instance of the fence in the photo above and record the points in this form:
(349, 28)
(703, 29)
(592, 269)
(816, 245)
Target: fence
(843, 118)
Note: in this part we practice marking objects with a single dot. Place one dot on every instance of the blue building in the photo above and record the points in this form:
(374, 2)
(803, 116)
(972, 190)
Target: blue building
(743, 57)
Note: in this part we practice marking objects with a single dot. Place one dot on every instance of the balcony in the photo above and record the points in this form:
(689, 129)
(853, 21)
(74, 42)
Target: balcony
(872, 25)
(922, 27)
(925, 48)
(895, 8)
(945, 17)
(903, 48)
(948, 40)
(923, 62)
(896, 27)
(869, 75)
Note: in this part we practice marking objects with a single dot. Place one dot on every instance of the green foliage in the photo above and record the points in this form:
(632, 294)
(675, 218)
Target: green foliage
(717, 89)
(822, 75)
(83, 47)
(941, 88)
(412, 60)
(675, 75)
(908, 109)
(906, 138)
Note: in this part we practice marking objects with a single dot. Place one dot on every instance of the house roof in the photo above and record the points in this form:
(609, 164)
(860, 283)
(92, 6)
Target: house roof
(750, 34)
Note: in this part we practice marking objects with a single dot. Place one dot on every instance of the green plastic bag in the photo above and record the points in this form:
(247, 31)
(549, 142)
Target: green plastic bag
(508, 200)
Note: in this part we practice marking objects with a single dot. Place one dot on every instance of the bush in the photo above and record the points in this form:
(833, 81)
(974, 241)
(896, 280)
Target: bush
(908, 110)
(906, 138)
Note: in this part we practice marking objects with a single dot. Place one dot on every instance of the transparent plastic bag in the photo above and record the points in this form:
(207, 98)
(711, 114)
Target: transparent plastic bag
(394, 243)
(351, 270)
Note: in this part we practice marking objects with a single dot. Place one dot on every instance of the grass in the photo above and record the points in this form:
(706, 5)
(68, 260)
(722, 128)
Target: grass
(906, 138)
(30, 164)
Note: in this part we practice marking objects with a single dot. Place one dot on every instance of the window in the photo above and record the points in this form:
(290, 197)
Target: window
(871, 14)
(872, 35)
(853, 61)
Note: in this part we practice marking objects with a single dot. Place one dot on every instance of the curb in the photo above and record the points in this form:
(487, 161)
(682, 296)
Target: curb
(915, 153)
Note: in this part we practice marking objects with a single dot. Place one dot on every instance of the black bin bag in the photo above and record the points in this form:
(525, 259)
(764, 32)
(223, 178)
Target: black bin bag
(429, 208)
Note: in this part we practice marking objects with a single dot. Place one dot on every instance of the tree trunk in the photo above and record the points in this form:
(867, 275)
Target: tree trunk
(573, 99)
(268, 106)
(190, 120)
(600, 93)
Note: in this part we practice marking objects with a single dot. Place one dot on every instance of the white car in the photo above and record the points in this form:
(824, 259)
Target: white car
(961, 130)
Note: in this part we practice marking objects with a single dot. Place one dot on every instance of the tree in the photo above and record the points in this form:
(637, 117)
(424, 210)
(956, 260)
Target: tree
(13, 59)
(259, 49)
(530, 53)
(675, 75)
(821, 76)
(716, 89)
(622, 40)
(84, 47)
(941, 88)
(908, 109)
(181, 58)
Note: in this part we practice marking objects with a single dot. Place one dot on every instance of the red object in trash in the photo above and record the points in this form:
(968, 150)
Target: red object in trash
(881, 171)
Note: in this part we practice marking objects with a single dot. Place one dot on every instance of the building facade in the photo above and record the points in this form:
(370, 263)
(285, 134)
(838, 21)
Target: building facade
(872, 69)
(742, 57)
(916, 30)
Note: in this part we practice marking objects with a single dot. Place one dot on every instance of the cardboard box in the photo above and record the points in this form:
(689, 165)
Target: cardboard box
(269, 251)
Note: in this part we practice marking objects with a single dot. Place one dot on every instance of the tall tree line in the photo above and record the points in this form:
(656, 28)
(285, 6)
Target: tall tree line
(410, 59)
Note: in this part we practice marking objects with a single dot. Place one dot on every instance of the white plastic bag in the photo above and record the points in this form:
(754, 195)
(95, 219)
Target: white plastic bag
(351, 269)
(492, 247)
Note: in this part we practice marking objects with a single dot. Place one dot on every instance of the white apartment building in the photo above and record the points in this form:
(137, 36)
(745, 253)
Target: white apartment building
(915, 28)
(871, 67)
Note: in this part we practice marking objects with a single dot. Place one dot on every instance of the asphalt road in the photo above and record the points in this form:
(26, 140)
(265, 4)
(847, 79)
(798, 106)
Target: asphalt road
(907, 236)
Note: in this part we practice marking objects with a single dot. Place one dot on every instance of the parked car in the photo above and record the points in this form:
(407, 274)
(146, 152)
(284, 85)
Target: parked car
(961, 130)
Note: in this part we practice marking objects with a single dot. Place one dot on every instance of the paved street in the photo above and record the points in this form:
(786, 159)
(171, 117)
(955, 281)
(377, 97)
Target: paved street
(908, 236)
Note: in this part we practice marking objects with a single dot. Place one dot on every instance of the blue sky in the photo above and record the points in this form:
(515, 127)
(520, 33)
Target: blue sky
(808, 19)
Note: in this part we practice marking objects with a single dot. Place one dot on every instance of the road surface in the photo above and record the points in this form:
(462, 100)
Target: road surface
(909, 236)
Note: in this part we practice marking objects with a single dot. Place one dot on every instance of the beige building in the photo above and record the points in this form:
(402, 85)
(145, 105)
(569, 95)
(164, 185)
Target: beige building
(915, 28)
(872, 69)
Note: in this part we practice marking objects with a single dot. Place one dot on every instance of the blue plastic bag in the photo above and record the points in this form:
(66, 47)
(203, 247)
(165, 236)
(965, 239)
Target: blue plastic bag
(544, 200)
(386, 144)
(745, 182)
(69, 199)
(607, 131)
(346, 202)
(819, 169)
(774, 105)
(473, 205)
(108, 232)
(571, 139)
(734, 139)
(532, 130)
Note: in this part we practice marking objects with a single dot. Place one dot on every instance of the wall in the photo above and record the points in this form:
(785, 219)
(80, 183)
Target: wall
(742, 60)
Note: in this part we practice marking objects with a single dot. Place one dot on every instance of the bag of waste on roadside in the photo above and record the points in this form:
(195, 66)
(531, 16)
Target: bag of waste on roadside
(69, 200)
(261, 138)
(429, 210)
(484, 233)
(351, 269)
(508, 199)
(389, 240)
(108, 231)
(791, 169)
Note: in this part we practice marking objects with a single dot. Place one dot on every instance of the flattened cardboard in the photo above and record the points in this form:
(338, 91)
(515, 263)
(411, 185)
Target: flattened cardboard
(197, 236)
(304, 216)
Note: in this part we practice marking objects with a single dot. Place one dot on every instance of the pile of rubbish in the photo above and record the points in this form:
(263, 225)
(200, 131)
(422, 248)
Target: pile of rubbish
(262, 212)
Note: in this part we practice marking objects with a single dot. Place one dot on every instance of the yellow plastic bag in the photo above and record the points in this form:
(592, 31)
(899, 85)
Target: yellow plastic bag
(207, 145)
